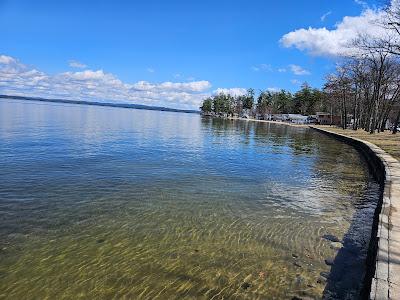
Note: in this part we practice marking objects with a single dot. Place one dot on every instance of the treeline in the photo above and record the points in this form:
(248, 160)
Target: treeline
(306, 101)
(366, 84)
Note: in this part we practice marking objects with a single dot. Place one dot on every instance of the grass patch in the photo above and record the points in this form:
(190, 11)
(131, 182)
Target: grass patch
(385, 140)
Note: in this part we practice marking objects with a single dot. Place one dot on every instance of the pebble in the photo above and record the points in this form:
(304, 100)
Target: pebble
(296, 264)
(329, 261)
(324, 274)
(330, 237)
(245, 285)
(261, 275)
(299, 279)
(299, 298)
(321, 280)
(336, 245)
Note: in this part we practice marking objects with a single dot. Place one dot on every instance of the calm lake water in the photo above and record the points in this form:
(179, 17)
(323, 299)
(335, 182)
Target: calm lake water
(111, 203)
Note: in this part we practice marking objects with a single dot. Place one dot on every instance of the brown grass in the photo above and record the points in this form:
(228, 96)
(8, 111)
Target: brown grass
(385, 140)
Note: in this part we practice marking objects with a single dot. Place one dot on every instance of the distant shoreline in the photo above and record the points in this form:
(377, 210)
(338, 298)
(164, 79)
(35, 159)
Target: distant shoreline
(262, 121)
(277, 122)
(108, 104)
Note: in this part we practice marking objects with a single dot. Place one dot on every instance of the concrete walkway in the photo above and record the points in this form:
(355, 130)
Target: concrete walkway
(386, 279)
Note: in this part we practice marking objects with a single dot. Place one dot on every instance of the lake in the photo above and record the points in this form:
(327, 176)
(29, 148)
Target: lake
(113, 203)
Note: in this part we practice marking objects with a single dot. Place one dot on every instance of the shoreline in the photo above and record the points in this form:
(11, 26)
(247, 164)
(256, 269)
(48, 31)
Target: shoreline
(382, 279)
(262, 121)
(96, 103)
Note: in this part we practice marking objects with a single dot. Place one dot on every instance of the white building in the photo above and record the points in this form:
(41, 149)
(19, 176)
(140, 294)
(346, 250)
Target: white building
(297, 118)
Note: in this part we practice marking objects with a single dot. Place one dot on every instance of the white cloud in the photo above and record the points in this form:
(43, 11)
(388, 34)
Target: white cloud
(4, 59)
(231, 91)
(323, 17)
(273, 89)
(261, 67)
(97, 85)
(362, 3)
(282, 70)
(87, 75)
(150, 70)
(194, 86)
(335, 42)
(295, 82)
(77, 64)
(298, 70)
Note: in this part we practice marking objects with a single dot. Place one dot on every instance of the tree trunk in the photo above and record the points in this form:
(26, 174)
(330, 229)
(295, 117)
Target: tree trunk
(396, 123)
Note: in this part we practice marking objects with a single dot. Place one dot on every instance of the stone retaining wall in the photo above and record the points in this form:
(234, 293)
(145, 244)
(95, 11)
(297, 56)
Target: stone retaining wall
(383, 262)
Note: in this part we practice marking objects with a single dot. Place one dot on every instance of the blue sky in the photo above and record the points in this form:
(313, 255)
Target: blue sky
(169, 53)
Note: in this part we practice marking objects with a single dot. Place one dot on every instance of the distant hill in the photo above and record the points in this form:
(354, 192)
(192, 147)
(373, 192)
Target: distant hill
(133, 106)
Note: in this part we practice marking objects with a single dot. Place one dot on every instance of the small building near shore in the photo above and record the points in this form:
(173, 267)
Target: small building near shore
(297, 118)
(290, 118)
(277, 117)
(324, 118)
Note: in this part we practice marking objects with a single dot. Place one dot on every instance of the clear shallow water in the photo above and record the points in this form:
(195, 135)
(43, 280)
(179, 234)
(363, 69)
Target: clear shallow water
(113, 203)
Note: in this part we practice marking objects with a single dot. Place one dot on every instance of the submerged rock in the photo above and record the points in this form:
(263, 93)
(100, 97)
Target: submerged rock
(329, 261)
(99, 241)
(321, 280)
(336, 245)
(223, 280)
(245, 285)
(299, 279)
(331, 237)
(246, 282)
(301, 298)
(324, 274)
(262, 275)
(296, 264)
